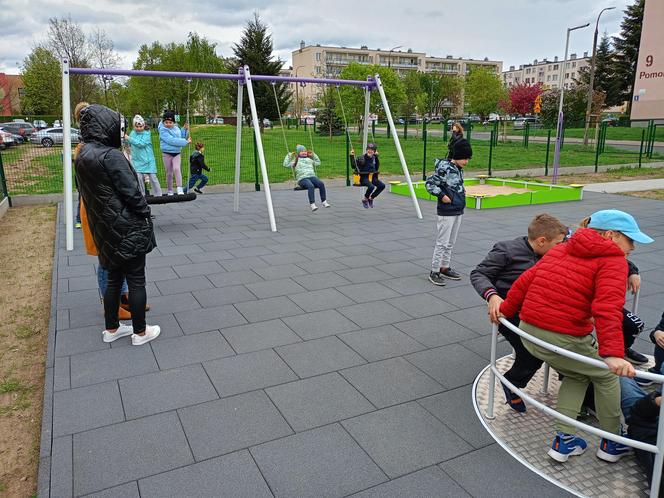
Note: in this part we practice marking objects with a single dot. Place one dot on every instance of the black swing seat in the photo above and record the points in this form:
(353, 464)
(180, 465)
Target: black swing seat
(167, 199)
(299, 187)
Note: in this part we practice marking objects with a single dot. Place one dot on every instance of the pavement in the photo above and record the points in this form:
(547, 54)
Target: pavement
(317, 361)
(626, 186)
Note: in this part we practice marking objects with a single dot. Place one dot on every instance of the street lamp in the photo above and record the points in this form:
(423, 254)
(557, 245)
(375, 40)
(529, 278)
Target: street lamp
(592, 77)
(559, 126)
(389, 55)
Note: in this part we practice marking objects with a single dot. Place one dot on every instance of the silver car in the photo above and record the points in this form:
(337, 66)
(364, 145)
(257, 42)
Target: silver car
(52, 136)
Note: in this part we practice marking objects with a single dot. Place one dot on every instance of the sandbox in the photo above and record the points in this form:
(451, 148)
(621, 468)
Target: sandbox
(483, 192)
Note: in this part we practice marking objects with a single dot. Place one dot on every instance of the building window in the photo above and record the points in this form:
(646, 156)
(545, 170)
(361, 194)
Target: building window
(566, 75)
(317, 56)
(573, 64)
(317, 69)
(573, 75)
(567, 65)
(528, 71)
(555, 77)
(548, 78)
(555, 67)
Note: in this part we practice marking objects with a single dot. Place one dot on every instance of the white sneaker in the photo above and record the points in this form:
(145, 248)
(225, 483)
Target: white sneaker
(314, 207)
(180, 191)
(151, 332)
(170, 192)
(123, 331)
(326, 204)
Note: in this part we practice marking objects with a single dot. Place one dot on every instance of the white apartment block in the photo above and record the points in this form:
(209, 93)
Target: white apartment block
(547, 72)
(319, 61)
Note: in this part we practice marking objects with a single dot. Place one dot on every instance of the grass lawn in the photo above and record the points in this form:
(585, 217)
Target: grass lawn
(612, 175)
(26, 261)
(35, 170)
(648, 194)
(612, 133)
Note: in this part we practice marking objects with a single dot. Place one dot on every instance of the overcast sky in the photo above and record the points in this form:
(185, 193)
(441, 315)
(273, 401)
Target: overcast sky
(514, 31)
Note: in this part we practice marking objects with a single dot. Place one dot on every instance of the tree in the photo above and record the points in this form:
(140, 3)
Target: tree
(441, 93)
(329, 122)
(43, 83)
(574, 105)
(627, 52)
(414, 96)
(604, 79)
(483, 91)
(103, 55)
(521, 98)
(255, 50)
(353, 97)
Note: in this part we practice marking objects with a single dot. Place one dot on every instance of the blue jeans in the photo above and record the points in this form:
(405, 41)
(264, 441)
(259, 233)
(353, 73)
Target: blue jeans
(310, 184)
(102, 281)
(194, 178)
(630, 393)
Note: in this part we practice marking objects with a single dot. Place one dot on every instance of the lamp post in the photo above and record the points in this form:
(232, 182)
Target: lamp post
(592, 77)
(389, 55)
(559, 126)
(297, 97)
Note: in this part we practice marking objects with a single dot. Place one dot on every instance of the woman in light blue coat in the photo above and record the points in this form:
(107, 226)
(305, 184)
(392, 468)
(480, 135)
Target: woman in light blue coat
(171, 141)
(142, 156)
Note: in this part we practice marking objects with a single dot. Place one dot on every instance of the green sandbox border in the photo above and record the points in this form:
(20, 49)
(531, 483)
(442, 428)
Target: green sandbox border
(542, 193)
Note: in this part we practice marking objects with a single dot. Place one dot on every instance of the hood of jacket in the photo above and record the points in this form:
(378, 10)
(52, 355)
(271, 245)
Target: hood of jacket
(587, 243)
(102, 125)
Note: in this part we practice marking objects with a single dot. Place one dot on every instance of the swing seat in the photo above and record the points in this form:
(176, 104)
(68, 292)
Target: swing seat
(357, 177)
(299, 187)
(167, 199)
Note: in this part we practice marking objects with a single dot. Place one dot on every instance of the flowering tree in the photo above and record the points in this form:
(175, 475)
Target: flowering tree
(521, 97)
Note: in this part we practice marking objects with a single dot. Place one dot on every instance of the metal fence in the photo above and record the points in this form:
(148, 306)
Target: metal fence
(35, 167)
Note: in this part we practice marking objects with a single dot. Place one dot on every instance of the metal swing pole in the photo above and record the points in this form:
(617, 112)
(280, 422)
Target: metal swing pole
(188, 133)
(365, 121)
(259, 144)
(66, 157)
(238, 144)
(404, 166)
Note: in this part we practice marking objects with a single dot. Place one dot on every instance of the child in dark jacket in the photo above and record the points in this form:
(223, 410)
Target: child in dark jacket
(196, 167)
(367, 166)
(447, 185)
(494, 276)
(563, 311)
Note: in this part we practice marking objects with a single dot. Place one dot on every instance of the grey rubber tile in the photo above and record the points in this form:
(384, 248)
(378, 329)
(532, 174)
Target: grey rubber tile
(185, 284)
(319, 324)
(267, 309)
(260, 335)
(231, 294)
(435, 330)
(460, 367)
(321, 280)
(390, 382)
(202, 320)
(318, 401)
(405, 438)
(373, 314)
(320, 463)
(231, 424)
(225, 279)
(427, 483)
(421, 305)
(381, 342)
(233, 475)
(247, 372)
(180, 351)
(89, 407)
(319, 356)
(110, 364)
(368, 291)
(318, 300)
(272, 288)
(129, 490)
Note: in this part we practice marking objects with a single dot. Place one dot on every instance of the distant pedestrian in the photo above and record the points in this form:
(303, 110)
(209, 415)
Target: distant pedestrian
(196, 167)
(457, 134)
(142, 155)
(171, 141)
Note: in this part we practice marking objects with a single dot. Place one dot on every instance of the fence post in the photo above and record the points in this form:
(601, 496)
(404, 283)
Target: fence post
(405, 129)
(526, 134)
(256, 184)
(546, 157)
(597, 151)
(445, 131)
(4, 183)
(470, 130)
(651, 144)
(643, 137)
(348, 158)
(424, 155)
(493, 132)
(305, 124)
(373, 127)
(495, 129)
(562, 136)
(388, 129)
(603, 141)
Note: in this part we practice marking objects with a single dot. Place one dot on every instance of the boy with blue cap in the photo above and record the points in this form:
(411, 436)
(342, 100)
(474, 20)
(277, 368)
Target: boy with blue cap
(303, 162)
(575, 288)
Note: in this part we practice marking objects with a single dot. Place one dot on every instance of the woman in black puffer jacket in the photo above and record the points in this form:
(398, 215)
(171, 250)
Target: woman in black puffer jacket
(119, 219)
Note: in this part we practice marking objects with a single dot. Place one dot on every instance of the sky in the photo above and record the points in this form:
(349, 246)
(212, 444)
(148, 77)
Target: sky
(513, 31)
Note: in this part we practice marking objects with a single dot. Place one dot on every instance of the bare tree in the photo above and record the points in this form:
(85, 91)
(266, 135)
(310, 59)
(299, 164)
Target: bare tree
(103, 55)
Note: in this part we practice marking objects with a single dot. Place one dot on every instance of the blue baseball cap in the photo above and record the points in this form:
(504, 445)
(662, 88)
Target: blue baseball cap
(613, 219)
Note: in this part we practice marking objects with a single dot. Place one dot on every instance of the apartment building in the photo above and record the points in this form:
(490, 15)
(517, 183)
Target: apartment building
(547, 72)
(319, 61)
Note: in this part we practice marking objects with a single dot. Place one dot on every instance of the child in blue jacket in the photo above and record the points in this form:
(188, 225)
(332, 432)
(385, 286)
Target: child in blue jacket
(171, 141)
(142, 156)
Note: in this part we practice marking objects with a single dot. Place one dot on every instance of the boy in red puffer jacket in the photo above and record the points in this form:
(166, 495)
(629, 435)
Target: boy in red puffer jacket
(574, 288)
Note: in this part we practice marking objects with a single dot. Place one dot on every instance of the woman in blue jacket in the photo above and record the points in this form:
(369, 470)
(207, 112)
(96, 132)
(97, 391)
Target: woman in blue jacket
(171, 141)
(142, 156)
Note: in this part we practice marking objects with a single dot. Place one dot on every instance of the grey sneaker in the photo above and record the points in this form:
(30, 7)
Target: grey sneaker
(450, 273)
(436, 279)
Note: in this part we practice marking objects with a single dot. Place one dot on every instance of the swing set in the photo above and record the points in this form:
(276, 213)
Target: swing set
(244, 78)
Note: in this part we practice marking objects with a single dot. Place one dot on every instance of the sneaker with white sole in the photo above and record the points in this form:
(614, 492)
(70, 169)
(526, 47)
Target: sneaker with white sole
(314, 207)
(122, 331)
(610, 451)
(565, 446)
(180, 191)
(170, 192)
(151, 332)
(326, 204)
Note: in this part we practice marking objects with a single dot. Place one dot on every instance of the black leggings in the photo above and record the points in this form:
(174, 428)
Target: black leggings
(525, 364)
(374, 186)
(134, 271)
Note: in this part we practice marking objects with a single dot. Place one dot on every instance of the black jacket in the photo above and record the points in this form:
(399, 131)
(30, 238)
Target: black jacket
(118, 214)
(197, 163)
(364, 165)
(643, 420)
(456, 136)
(502, 266)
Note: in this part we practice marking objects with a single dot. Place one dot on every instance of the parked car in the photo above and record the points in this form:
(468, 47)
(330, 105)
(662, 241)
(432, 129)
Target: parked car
(267, 123)
(216, 121)
(57, 123)
(520, 123)
(6, 140)
(610, 121)
(18, 139)
(19, 128)
(462, 121)
(40, 124)
(402, 120)
(52, 136)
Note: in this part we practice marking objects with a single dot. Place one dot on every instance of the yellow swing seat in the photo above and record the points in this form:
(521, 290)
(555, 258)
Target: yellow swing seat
(356, 179)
